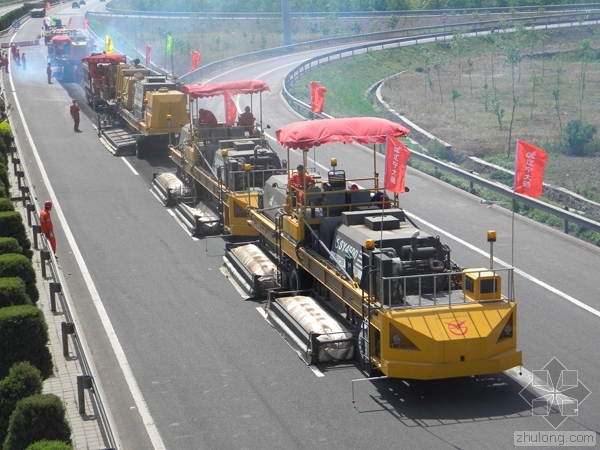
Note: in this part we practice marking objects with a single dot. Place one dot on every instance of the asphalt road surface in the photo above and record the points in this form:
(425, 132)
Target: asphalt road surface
(188, 364)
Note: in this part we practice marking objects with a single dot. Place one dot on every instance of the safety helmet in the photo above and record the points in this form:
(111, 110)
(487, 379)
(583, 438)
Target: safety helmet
(247, 109)
(48, 204)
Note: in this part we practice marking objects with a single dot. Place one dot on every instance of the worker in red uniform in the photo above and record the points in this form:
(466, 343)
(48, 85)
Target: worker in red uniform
(246, 120)
(46, 225)
(207, 118)
(75, 115)
(49, 73)
(301, 180)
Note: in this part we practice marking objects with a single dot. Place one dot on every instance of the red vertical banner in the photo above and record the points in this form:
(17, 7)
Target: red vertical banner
(317, 97)
(230, 109)
(70, 21)
(85, 24)
(195, 61)
(148, 54)
(396, 160)
(529, 169)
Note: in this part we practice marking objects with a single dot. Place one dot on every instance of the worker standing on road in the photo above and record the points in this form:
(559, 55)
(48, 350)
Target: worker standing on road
(23, 61)
(5, 63)
(75, 115)
(46, 225)
(49, 73)
(76, 74)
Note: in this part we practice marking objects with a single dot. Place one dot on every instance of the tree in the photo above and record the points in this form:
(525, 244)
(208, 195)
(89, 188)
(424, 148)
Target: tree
(513, 54)
(455, 96)
(576, 136)
(556, 96)
(459, 44)
(498, 111)
(438, 63)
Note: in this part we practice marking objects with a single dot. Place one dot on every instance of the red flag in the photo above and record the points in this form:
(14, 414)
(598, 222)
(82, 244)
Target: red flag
(85, 24)
(396, 159)
(230, 109)
(69, 21)
(317, 97)
(195, 61)
(529, 169)
(47, 6)
(148, 54)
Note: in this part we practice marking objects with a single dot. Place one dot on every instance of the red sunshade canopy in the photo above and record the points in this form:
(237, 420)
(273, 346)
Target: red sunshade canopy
(235, 87)
(60, 38)
(113, 58)
(363, 130)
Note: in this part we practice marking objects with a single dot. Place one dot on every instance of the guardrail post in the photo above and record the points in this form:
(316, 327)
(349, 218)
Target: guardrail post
(83, 382)
(44, 256)
(30, 209)
(24, 192)
(37, 229)
(55, 288)
(66, 328)
(566, 208)
(19, 174)
(16, 161)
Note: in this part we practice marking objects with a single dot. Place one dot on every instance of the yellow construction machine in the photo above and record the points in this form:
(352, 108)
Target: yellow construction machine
(222, 167)
(349, 275)
(140, 110)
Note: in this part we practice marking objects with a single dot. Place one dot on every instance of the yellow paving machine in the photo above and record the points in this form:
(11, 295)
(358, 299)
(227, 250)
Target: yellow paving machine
(347, 274)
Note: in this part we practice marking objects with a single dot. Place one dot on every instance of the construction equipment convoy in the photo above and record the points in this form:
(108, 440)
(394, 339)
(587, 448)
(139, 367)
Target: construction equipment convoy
(141, 110)
(344, 276)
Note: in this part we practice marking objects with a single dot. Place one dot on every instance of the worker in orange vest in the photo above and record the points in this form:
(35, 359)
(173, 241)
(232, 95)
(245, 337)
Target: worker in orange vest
(46, 225)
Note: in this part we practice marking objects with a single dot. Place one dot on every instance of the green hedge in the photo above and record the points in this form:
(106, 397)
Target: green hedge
(11, 225)
(49, 445)
(6, 204)
(23, 337)
(7, 19)
(13, 293)
(23, 380)
(4, 177)
(5, 130)
(15, 265)
(10, 245)
(36, 418)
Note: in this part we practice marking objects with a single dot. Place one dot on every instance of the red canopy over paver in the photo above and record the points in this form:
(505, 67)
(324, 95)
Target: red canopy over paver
(104, 59)
(214, 89)
(362, 130)
(60, 38)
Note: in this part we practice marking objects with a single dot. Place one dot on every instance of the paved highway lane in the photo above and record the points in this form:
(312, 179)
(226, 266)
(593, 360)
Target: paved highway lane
(211, 372)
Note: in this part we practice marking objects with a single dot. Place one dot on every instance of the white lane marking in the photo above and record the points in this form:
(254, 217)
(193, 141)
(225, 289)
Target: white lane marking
(130, 166)
(316, 371)
(140, 403)
(519, 271)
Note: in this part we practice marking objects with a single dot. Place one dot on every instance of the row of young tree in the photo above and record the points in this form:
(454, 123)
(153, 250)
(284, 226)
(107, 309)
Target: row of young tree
(333, 6)
(510, 49)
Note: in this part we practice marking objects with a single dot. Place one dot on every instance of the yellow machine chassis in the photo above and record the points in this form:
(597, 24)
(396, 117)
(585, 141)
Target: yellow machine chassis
(453, 340)
(234, 204)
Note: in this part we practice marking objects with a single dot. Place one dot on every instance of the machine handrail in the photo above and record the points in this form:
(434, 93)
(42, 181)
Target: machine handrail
(448, 297)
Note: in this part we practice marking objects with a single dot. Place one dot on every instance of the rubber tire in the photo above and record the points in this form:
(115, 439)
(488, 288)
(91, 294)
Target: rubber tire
(300, 280)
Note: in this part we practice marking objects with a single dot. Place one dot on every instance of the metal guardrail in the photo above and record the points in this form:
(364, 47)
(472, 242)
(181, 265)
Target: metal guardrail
(304, 109)
(88, 379)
